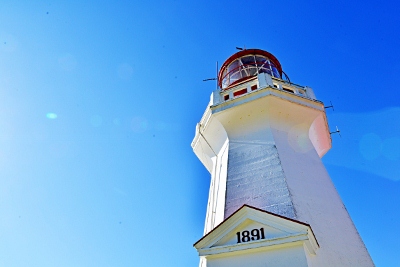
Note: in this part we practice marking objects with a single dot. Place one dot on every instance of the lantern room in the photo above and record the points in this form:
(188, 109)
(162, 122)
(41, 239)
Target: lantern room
(246, 64)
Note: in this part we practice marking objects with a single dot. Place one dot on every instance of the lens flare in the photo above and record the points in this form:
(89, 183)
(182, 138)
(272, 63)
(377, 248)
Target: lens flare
(51, 116)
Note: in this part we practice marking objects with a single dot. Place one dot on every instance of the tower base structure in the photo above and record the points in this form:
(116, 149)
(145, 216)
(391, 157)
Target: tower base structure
(253, 237)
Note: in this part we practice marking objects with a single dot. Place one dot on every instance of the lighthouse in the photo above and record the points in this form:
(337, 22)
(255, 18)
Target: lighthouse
(271, 201)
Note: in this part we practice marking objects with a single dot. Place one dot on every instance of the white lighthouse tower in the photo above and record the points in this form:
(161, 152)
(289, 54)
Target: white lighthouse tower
(271, 201)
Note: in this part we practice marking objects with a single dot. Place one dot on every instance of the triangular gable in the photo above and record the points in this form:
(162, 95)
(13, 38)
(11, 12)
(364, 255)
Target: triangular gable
(252, 228)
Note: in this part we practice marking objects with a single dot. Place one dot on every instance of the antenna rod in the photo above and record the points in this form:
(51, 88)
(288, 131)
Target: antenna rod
(216, 86)
(210, 79)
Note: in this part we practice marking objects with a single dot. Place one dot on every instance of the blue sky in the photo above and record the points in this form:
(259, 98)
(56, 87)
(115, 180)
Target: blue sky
(99, 102)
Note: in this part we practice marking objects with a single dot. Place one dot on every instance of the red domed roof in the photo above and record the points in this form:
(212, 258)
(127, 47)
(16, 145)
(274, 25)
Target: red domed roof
(234, 65)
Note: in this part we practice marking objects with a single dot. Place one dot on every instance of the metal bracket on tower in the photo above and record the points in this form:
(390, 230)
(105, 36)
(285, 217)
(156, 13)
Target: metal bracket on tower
(337, 131)
(331, 106)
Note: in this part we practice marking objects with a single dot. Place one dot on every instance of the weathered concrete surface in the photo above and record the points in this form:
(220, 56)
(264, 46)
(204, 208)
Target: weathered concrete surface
(255, 177)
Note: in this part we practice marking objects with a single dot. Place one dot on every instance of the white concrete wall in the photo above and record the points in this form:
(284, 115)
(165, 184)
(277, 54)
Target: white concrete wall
(216, 198)
(311, 194)
(265, 121)
(317, 202)
(256, 178)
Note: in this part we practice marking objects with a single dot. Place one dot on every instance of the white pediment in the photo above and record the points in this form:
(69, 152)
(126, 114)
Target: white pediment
(251, 228)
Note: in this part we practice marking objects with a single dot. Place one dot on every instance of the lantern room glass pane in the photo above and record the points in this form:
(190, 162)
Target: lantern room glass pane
(249, 60)
(235, 76)
(248, 66)
(252, 70)
(275, 72)
(233, 66)
(260, 60)
(265, 70)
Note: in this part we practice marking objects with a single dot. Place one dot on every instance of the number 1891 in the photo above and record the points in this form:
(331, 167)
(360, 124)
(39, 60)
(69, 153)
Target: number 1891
(246, 236)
